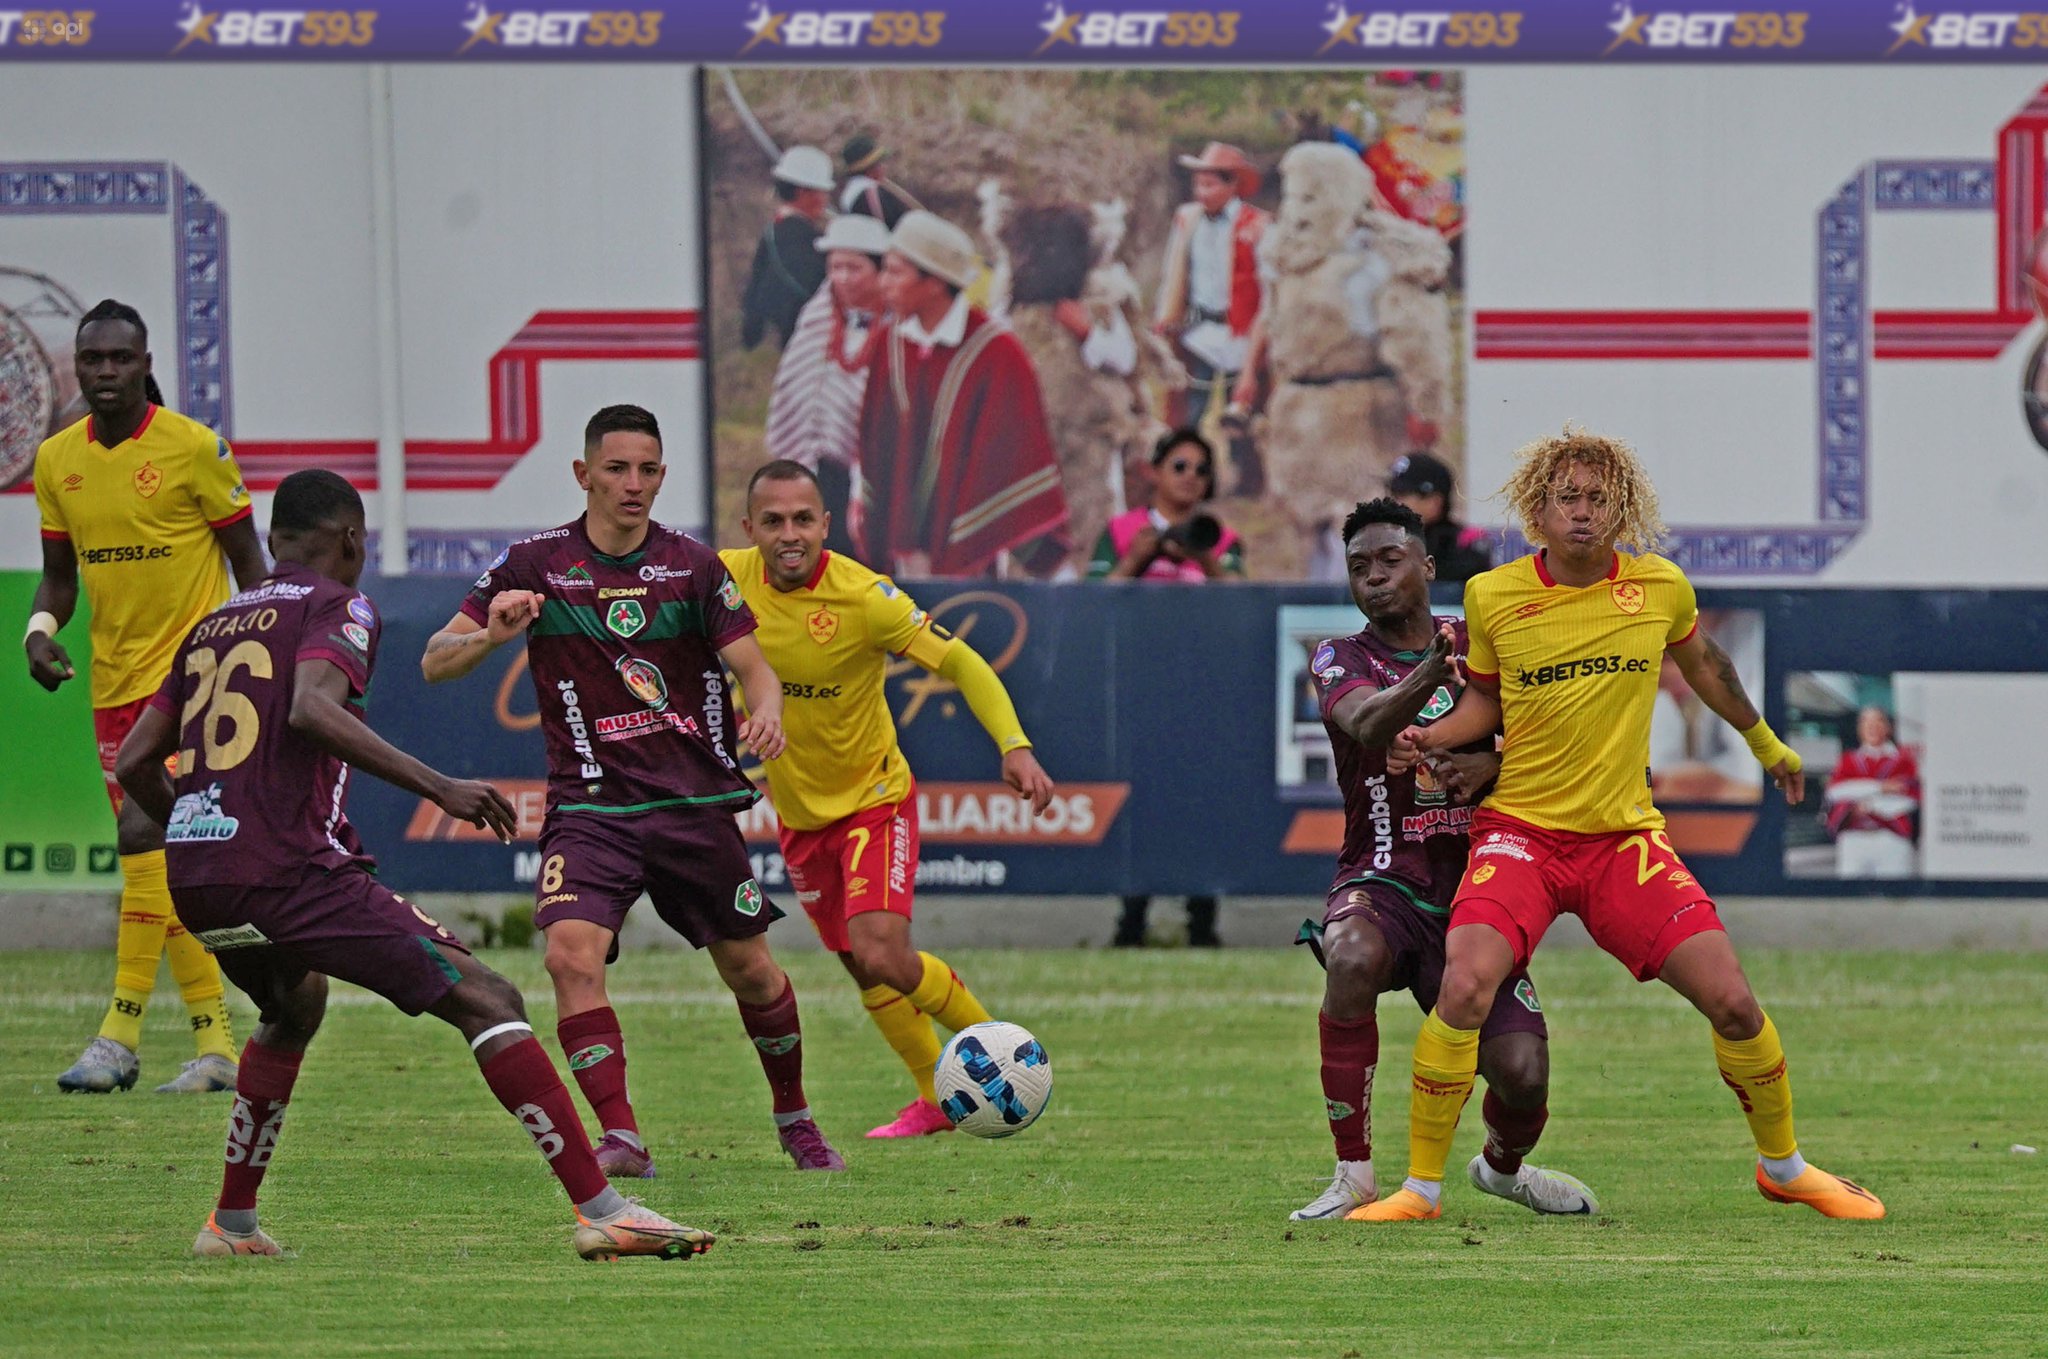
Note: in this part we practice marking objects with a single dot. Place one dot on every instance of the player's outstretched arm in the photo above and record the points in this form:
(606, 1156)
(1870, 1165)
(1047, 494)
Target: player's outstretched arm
(460, 647)
(56, 600)
(762, 691)
(1374, 717)
(1475, 715)
(1711, 673)
(244, 552)
(320, 692)
(140, 768)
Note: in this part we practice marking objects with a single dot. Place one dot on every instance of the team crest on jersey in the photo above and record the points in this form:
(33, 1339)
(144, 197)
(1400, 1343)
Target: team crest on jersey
(148, 481)
(823, 625)
(1485, 872)
(625, 617)
(730, 593)
(1628, 596)
(747, 900)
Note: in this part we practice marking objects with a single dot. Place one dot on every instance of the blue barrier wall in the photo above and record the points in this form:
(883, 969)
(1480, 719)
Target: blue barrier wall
(1163, 712)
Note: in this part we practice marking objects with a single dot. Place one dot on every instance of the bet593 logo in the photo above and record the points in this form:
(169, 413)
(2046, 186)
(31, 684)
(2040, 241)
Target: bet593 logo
(46, 27)
(560, 27)
(843, 28)
(1680, 29)
(1379, 29)
(1138, 28)
(275, 27)
(1966, 30)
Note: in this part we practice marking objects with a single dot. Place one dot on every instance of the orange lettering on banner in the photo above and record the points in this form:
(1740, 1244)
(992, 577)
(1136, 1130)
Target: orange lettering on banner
(529, 797)
(951, 813)
(990, 814)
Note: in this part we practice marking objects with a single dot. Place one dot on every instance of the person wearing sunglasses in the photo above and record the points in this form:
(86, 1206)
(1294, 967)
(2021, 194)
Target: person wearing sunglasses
(1176, 537)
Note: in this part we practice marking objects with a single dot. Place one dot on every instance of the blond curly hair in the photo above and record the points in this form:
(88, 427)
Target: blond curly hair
(1632, 513)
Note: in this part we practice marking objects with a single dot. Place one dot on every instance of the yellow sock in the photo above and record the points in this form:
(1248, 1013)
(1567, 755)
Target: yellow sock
(145, 910)
(908, 1030)
(1446, 1059)
(944, 997)
(1755, 1070)
(198, 976)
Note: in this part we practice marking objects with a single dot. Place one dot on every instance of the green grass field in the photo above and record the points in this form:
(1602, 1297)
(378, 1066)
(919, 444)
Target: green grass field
(1144, 1214)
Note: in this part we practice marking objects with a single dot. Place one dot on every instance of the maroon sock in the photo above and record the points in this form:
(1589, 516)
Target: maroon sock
(526, 1083)
(1351, 1052)
(597, 1059)
(779, 1038)
(1511, 1133)
(263, 1086)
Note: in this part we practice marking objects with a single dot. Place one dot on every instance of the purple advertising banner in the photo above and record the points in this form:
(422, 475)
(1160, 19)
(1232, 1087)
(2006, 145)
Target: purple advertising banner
(1270, 32)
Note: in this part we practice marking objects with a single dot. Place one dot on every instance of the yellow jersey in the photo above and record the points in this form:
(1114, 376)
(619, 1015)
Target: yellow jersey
(141, 517)
(830, 643)
(1578, 671)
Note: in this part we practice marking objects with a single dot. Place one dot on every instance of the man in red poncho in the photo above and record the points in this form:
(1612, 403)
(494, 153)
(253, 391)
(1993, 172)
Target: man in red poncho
(1873, 798)
(958, 466)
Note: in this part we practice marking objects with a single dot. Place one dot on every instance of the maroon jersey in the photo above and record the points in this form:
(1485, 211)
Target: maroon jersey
(257, 802)
(624, 658)
(1400, 829)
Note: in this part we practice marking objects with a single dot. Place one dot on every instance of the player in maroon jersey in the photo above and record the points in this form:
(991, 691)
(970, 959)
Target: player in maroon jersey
(1405, 841)
(263, 707)
(630, 628)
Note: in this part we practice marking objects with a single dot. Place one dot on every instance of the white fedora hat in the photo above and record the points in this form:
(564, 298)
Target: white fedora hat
(855, 231)
(936, 246)
(806, 167)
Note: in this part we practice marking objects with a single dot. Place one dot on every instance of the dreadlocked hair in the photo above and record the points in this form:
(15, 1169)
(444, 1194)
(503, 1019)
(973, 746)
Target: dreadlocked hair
(1632, 512)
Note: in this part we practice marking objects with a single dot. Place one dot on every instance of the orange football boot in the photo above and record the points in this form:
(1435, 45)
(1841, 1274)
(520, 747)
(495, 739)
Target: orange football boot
(1403, 1205)
(1828, 1195)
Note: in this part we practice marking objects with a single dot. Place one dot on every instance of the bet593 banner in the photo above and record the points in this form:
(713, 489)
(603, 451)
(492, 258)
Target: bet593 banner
(1283, 32)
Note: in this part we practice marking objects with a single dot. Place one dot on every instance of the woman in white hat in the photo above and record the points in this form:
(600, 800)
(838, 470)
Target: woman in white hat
(814, 408)
(787, 268)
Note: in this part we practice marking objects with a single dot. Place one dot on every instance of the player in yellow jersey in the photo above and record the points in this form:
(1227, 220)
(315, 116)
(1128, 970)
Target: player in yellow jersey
(844, 795)
(1566, 645)
(139, 505)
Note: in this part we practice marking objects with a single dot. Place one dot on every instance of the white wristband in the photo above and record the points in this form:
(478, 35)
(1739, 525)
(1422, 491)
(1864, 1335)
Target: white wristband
(44, 622)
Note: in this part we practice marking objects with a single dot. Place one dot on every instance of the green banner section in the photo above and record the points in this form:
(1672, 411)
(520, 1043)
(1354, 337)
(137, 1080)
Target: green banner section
(56, 830)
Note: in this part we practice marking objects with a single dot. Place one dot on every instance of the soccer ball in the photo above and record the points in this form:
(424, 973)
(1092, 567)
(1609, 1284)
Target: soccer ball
(993, 1079)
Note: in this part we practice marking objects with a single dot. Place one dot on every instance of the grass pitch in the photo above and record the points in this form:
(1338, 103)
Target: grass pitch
(1144, 1214)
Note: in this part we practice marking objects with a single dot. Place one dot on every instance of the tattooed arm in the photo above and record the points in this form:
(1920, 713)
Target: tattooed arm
(1712, 676)
(1710, 672)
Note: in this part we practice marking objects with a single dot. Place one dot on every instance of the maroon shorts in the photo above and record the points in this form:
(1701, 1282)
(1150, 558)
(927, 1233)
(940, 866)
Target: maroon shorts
(1631, 889)
(342, 923)
(863, 862)
(691, 862)
(1416, 939)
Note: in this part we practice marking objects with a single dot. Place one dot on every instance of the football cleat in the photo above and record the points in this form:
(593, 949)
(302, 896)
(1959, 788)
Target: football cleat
(1403, 1205)
(1828, 1195)
(201, 1076)
(1539, 1190)
(638, 1230)
(919, 1118)
(621, 1160)
(214, 1240)
(1351, 1187)
(808, 1147)
(104, 1065)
